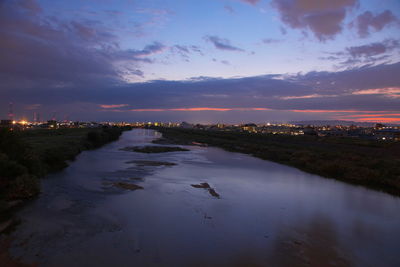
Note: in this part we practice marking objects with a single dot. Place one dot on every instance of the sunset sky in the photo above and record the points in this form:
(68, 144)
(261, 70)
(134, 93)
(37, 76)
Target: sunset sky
(201, 61)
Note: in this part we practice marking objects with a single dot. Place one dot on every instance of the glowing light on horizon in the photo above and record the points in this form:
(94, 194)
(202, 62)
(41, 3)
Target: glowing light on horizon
(336, 111)
(339, 114)
(370, 115)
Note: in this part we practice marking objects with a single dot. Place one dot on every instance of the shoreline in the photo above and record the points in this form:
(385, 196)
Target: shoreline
(317, 161)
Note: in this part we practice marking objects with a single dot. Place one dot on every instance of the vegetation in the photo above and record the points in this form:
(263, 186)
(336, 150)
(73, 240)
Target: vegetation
(25, 156)
(375, 164)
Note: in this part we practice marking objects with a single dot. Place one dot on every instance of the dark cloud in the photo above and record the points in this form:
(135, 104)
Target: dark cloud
(147, 51)
(29, 5)
(373, 49)
(185, 50)
(380, 76)
(367, 88)
(222, 43)
(367, 21)
(369, 54)
(323, 18)
(78, 68)
(50, 52)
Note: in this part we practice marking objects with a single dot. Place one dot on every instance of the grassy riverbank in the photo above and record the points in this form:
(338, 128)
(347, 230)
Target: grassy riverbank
(370, 163)
(26, 156)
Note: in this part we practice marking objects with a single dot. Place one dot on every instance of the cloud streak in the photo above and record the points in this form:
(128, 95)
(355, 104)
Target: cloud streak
(114, 106)
(222, 43)
(392, 92)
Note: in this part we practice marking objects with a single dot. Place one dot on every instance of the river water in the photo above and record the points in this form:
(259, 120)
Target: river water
(267, 214)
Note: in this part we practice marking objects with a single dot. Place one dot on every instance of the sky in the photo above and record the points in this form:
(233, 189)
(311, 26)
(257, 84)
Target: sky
(208, 61)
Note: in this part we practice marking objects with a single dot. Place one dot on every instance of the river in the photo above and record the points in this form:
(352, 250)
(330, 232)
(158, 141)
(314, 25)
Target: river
(267, 214)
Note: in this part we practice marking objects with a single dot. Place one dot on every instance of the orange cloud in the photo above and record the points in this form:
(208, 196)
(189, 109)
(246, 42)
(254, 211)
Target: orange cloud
(305, 96)
(370, 115)
(374, 119)
(393, 92)
(333, 111)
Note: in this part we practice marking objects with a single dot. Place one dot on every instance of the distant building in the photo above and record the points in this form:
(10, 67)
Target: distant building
(250, 127)
(388, 134)
(309, 131)
(186, 125)
(52, 124)
(379, 126)
(337, 133)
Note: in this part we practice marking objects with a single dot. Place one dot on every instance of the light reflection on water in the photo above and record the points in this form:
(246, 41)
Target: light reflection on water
(268, 214)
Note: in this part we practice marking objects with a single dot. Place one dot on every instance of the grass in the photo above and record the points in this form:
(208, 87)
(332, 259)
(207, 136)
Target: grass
(26, 156)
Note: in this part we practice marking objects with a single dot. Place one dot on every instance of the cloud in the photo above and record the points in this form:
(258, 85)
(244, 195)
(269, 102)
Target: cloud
(367, 21)
(324, 18)
(393, 92)
(371, 54)
(229, 9)
(222, 44)
(114, 106)
(148, 50)
(38, 50)
(271, 41)
(372, 49)
(185, 51)
(305, 96)
(86, 84)
(29, 5)
(251, 2)
(380, 76)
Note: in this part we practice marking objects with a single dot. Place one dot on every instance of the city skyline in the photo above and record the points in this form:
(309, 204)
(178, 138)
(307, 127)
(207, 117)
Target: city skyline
(216, 61)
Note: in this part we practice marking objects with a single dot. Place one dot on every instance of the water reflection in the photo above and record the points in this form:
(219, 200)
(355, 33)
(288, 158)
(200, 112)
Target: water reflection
(312, 244)
(267, 214)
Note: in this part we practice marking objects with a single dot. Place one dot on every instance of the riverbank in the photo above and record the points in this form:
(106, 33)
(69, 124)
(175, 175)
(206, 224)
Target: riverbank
(26, 156)
(369, 163)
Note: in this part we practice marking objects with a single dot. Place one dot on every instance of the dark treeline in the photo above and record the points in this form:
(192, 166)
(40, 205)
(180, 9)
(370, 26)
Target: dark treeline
(371, 163)
(25, 156)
